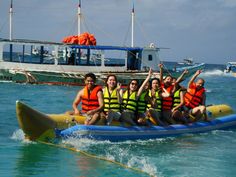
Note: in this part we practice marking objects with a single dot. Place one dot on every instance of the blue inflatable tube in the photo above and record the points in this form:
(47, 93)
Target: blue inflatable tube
(118, 133)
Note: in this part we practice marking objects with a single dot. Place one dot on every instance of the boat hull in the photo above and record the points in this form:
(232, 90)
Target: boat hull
(21, 75)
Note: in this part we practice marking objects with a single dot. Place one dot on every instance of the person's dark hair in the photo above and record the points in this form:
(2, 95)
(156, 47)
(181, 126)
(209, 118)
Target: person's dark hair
(167, 76)
(111, 75)
(90, 75)
(158, 80)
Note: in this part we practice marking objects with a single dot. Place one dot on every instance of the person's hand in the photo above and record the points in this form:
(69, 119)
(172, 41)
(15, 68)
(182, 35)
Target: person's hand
(173, 110)
(160, 65)
(185, 71)
(118, 86)
(76, 112)
(150, 72)
(198, 72)
(91, 112)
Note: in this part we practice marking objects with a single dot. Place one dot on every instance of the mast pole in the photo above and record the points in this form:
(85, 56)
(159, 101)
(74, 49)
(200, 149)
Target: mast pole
(10, 23)
(79, 18)
(132, 27)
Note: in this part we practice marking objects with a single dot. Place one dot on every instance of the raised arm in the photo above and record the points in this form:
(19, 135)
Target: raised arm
(161, 72)
(181, 76)
(165, 93)
(194, 77)
(144, 83)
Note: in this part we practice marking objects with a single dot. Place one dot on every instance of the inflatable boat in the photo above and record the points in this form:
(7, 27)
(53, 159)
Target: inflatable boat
(39, 126)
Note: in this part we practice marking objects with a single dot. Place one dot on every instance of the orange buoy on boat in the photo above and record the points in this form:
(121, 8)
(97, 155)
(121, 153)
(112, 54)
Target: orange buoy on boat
(83, 39)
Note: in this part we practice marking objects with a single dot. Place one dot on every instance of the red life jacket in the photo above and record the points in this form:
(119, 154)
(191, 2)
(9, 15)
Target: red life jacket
(193, 97)
(90, 100)
(167, 102)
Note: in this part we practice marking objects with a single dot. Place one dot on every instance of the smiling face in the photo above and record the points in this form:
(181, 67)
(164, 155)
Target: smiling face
(155, 84)
(168, 81)
(133, 86)
(89, 82)
(111, 82)
(200, 83)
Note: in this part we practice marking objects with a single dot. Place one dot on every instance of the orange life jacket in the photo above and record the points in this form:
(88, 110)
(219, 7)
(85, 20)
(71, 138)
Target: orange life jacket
(90, 100)
(167, 102)
(193, 97)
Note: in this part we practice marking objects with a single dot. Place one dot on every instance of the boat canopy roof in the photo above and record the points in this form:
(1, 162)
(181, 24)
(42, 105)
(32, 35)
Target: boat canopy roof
(99, 47)
(232, 63)
(94, 47)
(27, 41)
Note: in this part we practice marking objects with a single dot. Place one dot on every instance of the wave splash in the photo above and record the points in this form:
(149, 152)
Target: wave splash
(125, 153)
(215, 72)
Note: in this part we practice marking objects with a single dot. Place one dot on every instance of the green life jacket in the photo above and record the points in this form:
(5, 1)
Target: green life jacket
(142, 103)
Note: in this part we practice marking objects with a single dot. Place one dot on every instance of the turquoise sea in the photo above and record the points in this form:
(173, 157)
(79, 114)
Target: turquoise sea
(207, 154)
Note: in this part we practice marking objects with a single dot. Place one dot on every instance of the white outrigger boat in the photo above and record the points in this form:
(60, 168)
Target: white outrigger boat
(42, 62)
(231, 68)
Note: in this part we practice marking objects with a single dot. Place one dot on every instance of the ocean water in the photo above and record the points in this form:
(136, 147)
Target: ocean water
(206, 154)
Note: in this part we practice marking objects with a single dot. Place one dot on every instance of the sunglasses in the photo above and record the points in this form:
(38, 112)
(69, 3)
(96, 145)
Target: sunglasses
(133, 83)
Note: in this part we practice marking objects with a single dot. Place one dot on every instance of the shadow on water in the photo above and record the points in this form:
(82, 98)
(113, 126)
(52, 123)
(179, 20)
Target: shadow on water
(32, 158)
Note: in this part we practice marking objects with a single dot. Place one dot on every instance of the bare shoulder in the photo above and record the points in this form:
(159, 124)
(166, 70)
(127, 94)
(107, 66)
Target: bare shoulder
(100, 93)
(80, 92)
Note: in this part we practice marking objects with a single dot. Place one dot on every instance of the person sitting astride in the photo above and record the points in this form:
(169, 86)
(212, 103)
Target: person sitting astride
(178, 99)
(154, 108)
(129, 100)
(195, 97)
(92, 100)
(167, 101)
(112, 99)
(143, 101)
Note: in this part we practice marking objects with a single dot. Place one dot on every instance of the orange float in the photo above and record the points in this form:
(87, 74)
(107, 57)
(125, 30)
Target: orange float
(83, 39)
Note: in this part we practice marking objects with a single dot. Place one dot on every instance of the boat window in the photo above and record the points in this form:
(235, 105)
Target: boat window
(6, 53)
(149, 57)
(29, 53)
(88, 57)
(114, 58)
(133, 60)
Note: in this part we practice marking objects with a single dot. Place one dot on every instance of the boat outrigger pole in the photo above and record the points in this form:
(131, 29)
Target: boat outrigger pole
(79, 18)
(10, 24)
(132, 27)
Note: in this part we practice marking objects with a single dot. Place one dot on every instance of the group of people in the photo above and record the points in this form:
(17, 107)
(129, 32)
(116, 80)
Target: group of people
(158, 101)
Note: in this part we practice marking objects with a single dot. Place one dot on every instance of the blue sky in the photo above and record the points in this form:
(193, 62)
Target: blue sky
(201, 29)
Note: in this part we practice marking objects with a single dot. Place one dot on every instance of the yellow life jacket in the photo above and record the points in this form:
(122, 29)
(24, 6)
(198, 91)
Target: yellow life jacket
(111, 100)
(158, 101)
(129, 101)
